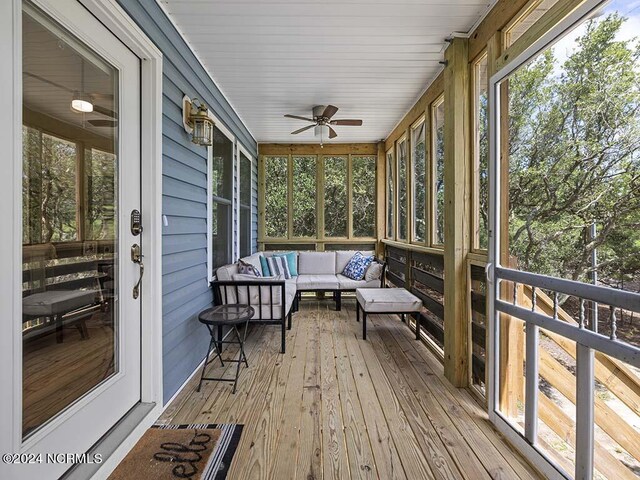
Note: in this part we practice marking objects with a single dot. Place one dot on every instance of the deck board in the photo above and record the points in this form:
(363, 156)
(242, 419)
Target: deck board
(336, 406)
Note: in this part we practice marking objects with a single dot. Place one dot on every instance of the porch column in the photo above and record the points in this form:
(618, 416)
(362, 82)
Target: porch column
(457, 211)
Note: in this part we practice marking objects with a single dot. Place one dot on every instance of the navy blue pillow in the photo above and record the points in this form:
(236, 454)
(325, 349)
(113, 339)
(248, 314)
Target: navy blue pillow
(357, 266)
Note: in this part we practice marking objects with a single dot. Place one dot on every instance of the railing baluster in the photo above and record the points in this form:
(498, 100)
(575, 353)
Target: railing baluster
(515, 293)
(614, 323)
(555, 305)
(582, 316)
(531, 384)
(584, 412)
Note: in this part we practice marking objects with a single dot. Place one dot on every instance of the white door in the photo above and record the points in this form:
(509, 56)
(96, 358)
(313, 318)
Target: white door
(81, 181)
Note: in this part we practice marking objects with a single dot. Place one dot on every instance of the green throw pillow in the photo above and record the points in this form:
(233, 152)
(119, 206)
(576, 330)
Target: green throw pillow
(266, 272)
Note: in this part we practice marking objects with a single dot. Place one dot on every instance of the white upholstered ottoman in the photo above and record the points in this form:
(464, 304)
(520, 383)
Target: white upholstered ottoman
(385, 300)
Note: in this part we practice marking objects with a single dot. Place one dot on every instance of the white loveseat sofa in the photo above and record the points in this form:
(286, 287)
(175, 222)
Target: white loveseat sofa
(274, 299)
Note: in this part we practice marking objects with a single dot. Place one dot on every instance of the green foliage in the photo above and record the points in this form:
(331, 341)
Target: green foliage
(390, 195)
(403, 199)
(439, 180)
(364, 196)
(304, 196)
(276, 189)
(335, 196)
(419, 185)
(334, 202)
(574, 138)
(49, 188)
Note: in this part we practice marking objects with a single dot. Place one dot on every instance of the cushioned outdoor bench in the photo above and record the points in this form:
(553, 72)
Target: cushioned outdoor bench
(385, 300)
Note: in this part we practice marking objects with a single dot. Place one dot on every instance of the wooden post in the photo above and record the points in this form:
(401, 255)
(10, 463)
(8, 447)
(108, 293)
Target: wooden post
(457, 197)
(381, 205)
(511, 360)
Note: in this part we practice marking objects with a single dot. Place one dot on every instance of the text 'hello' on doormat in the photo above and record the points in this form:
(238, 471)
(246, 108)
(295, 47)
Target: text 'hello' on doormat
(194, 452)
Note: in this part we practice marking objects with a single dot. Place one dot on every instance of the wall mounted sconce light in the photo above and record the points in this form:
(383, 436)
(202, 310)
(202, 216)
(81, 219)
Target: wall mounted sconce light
(197, 122)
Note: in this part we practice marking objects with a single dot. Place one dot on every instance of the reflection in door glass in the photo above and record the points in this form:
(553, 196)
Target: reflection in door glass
(70, 171)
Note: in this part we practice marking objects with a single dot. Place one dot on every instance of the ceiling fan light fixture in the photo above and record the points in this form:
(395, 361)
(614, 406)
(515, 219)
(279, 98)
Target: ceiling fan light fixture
(81, 103)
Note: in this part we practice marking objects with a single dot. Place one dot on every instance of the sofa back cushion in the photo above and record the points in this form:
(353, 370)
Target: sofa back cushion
(226, 272)
(254, 260)
(317, 263)
(343, 257)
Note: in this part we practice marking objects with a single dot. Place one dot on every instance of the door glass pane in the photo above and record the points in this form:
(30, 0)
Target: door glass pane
(222, 193)
(245, 205)
(70, 211)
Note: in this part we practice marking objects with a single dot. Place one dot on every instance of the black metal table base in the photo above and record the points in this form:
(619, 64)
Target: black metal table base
(216, 343)
(403, 317)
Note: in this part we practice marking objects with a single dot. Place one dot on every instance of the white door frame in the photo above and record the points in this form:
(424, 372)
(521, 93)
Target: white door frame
(122, 26)
(544, 465)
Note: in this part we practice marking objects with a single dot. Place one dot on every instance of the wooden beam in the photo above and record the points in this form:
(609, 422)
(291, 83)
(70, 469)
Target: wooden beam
(554, 15)
(314, 149)
(457, 198)
(499, 16)
(511, 331)
(420, 108)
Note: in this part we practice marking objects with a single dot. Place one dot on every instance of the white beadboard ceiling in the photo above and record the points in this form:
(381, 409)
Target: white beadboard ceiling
(370, 58)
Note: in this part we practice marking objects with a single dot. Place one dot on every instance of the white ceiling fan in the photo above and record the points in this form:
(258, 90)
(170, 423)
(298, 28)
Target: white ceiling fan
(322, 117)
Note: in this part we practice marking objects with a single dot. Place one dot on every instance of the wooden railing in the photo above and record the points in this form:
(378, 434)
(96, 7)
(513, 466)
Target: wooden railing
(422, 273)
(598, 361)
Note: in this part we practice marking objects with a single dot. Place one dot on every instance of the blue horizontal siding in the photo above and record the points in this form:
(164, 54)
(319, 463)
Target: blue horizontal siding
(184, 200)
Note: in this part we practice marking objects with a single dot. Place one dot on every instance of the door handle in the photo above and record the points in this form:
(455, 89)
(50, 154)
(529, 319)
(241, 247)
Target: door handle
(136, 257)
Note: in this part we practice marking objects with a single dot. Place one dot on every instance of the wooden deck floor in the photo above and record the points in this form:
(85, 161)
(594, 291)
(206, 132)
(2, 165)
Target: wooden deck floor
(335, 406)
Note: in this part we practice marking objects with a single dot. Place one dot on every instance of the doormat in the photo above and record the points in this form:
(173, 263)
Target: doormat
(195, 452)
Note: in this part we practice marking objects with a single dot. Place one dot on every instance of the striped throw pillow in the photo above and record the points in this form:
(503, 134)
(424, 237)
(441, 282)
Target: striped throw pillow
(279, 266)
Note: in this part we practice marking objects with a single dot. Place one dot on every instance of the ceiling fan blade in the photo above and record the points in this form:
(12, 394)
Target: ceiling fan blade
(300, 130)
(329, 111)
(300, 118)
(105, 111)
(103, 96)
(353, 123)
(103, 123)
(332, 133)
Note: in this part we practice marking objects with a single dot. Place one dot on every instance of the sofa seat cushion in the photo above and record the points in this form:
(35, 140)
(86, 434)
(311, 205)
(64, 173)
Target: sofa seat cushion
(57, 302)
(387, 300)
(317, 263)
(317, 282)
(346, 283)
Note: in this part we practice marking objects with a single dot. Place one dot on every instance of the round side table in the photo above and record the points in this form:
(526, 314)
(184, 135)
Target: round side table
(215, 319)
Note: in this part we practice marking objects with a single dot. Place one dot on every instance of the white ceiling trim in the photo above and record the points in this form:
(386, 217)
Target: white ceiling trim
(372, 59)
(195, 54)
